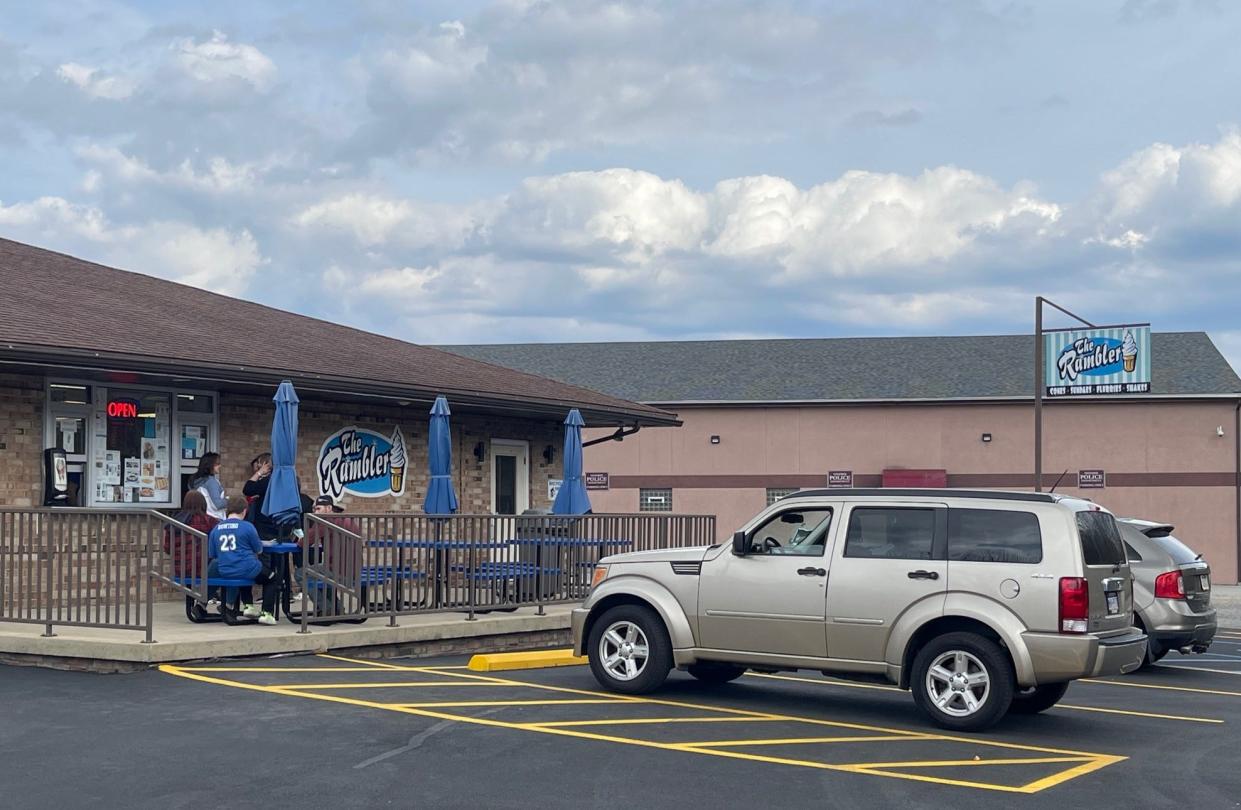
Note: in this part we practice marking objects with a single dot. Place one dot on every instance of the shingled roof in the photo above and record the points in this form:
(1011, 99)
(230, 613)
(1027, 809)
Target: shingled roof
(838, 369)
(60, 308)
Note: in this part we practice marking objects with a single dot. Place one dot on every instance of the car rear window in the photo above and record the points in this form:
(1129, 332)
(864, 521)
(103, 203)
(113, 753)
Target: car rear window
(994, 535)
(1101, 543)
(1180, 553)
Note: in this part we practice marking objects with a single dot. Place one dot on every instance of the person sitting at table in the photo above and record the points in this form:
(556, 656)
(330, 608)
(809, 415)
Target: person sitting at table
(184, 547)
(236, 552)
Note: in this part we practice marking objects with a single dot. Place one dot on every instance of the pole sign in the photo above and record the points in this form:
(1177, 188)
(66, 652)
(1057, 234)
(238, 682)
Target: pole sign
(1097, 362)
(597, 480)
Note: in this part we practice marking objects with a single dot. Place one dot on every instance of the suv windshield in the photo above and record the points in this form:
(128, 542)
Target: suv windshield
(1101, 543)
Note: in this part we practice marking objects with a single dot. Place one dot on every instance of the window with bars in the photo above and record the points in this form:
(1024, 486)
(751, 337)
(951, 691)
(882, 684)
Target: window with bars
(654, 500)
(776, 493)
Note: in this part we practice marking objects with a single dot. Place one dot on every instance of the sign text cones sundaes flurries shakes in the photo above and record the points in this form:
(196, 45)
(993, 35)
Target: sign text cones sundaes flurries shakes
(362, 462)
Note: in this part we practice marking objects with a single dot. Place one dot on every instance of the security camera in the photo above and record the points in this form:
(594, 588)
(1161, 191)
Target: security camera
(1219, 431)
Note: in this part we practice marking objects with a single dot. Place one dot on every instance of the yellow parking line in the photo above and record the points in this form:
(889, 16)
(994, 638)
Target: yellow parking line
(1157, 686)
(800, 741)
(1151, 715)
(1090, 761)
(1202, 669)
(375, 664)
(1139, 714)
(954, 763)
(633, 721)
(457, 703)
(382, 685)
(278, 669)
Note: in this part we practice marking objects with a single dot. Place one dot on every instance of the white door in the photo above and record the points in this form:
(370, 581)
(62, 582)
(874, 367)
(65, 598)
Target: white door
(510, 476)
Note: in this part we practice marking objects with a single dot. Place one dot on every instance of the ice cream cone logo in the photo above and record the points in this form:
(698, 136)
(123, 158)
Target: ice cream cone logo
(1129, 352)
(396, 461)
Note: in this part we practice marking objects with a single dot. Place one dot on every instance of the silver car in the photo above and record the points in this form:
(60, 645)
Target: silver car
(978, 602)
(1171, 590)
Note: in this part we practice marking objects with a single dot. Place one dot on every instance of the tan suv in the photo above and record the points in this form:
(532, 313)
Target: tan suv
(979, 602)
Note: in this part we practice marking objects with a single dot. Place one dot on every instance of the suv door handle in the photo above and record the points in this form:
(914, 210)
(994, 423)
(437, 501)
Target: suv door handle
(924, 575)
(812, 572)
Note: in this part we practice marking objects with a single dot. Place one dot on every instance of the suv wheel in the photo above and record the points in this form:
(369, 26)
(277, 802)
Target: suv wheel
(962, 681)
(1037, 699)
(713, 672)
(629, 649)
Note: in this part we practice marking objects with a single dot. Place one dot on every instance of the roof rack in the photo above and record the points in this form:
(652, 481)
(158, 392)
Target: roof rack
(879, 492)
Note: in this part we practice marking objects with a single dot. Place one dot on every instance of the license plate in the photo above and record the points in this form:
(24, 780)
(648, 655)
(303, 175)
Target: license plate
(1205, 579)
(1113, 604)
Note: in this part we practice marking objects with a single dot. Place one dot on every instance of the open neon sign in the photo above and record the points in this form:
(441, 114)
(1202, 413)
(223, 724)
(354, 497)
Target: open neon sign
(123, 409)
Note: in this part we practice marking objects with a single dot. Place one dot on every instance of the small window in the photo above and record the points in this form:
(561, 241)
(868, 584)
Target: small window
(994, 535)
(654, 500)
(889, 533)
(776, 493)
(1134, 556)
(1101, 543)
(801, 533)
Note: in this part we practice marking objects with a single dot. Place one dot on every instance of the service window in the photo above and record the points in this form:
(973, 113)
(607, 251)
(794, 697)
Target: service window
(891, 533)
(994, 535)
(802, 533)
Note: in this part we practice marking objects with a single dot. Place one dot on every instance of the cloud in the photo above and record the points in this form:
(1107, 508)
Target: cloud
(95, 83)
(214, 259)
(374, 220)
(216, 61)
(878, 118)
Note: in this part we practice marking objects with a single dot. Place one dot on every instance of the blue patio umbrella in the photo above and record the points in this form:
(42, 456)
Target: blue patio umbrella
(441, 499)
(572, 498)
(283, 501)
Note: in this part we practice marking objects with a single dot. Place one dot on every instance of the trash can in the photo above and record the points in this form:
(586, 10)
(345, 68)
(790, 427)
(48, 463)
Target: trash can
(540, 529)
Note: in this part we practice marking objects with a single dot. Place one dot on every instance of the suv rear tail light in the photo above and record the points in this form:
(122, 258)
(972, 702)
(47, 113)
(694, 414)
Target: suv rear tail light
(1074, 604)
(1170, 586)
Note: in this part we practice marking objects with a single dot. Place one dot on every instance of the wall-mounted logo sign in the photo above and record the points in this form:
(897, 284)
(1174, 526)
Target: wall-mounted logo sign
(362, 462)
(597, 480)
(1094, 362)
(123, 409)
(1091, 479)
(840, 479)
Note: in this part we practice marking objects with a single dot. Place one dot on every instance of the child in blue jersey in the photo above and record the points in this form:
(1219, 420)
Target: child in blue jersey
(236, 552)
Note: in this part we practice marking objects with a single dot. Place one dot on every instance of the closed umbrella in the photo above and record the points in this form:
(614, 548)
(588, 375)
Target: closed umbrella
(441, 499)
(572, 498)
(283, 501)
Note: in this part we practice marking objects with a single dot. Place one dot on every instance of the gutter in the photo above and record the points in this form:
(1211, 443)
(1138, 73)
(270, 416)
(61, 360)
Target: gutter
(979, 400)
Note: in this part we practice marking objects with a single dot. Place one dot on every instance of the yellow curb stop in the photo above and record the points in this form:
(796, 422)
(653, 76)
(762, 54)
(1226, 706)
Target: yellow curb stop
(538, 659)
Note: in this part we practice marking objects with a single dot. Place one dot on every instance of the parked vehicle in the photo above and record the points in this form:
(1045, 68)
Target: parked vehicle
(978, 602)
(1171, 590)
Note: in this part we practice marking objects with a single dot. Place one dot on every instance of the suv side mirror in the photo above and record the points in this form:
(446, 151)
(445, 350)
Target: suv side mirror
(740, 546)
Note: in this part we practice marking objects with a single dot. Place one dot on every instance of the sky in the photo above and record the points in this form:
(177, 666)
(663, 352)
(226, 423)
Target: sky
(525, 170)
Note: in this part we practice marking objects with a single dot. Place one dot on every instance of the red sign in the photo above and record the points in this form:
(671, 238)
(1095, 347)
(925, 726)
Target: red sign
(123, 409)
(915, 478)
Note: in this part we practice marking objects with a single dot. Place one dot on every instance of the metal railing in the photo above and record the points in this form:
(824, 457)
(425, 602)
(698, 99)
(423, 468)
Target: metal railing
(362, 566)
(107, 568)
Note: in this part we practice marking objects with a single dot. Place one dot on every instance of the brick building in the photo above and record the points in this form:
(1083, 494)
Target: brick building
(135, 377)
(764, 417)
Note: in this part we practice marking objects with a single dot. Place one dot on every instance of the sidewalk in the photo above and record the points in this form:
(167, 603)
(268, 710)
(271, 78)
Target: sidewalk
(176, 639)
(1227, 602)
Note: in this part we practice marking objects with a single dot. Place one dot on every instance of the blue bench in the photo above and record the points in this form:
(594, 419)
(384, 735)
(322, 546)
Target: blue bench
(197, 613)
(377, 575)
(504, 570)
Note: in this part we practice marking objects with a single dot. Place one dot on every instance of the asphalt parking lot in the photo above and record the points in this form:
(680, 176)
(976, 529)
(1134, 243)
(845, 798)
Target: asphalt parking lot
(334, 731)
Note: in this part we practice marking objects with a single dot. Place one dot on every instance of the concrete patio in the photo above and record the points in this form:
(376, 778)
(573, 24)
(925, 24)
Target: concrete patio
(176, 639)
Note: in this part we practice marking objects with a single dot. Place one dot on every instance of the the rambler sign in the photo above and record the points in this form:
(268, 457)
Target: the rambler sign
(362, 462)
(1094, 362)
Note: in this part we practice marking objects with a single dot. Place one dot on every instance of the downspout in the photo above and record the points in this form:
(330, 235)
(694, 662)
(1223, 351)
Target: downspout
(1236, 438)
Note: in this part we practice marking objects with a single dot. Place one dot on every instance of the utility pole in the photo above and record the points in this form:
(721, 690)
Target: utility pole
(1039, 373)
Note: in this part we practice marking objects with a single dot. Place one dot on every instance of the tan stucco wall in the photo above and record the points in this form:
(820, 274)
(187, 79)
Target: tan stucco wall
(1147, 442)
